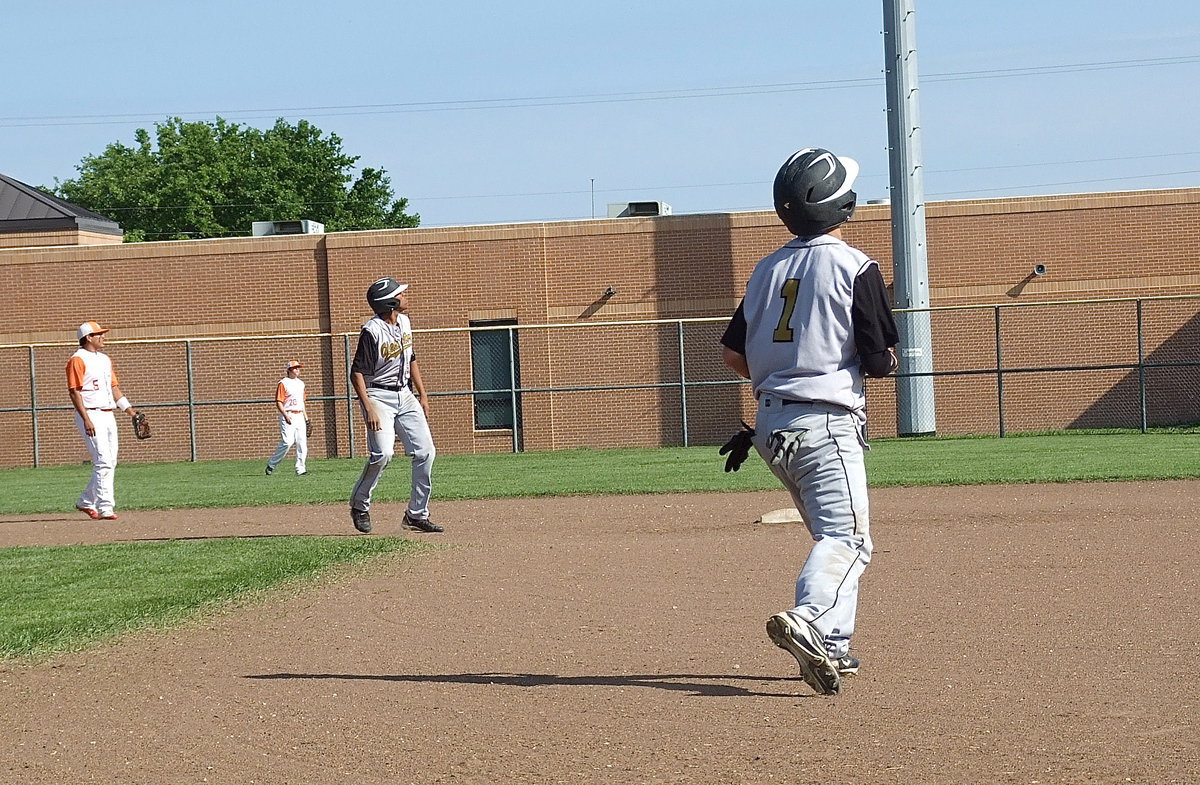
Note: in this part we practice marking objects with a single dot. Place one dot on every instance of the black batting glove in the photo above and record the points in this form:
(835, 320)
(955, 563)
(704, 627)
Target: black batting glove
(738, 448)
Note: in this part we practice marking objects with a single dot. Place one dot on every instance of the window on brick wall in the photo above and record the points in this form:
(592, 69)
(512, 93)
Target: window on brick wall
(496, 368)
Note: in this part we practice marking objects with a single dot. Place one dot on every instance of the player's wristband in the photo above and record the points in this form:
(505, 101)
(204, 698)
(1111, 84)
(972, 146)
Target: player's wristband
(123, 404)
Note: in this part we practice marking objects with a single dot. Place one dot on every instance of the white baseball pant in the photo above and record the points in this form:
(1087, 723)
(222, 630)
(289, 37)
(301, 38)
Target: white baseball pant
(400, 414)
(816, 451)
(99, 494)
(295, 432)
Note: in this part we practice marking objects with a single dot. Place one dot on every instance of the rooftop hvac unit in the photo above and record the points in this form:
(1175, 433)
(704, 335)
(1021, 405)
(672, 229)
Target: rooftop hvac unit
(268, 228)
(637, 209)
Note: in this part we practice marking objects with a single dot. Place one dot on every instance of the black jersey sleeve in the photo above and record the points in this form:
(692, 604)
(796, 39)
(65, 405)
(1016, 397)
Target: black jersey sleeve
(365, 354)
(874, 324)
(735, 334)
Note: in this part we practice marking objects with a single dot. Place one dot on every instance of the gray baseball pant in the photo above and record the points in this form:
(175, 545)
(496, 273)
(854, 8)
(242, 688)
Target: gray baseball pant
(816, 451)
(400, 415)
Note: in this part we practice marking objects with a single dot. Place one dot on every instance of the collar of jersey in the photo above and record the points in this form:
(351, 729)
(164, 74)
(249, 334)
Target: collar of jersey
(820, 239)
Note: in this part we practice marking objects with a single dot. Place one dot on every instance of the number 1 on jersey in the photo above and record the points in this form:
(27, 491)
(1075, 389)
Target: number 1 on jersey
(789, 291)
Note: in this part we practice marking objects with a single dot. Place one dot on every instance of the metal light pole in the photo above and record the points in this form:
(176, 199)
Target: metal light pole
(915, 407)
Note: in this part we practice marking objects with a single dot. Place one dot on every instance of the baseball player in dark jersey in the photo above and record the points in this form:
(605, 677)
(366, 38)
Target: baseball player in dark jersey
(815, 318)
(387, 380)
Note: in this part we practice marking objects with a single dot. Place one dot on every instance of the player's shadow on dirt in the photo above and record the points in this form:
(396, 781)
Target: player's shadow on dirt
(696, 684)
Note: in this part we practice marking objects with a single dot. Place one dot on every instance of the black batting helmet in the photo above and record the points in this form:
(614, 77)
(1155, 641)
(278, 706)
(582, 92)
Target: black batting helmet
(812, 191)
(383, 295)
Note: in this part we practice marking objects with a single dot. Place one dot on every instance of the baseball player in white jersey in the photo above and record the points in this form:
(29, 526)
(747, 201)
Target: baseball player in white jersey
(814, 319)
(387, 380)
(95, 392)
(293, 419)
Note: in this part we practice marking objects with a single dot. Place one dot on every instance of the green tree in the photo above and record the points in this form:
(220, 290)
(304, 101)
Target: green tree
(213, 179)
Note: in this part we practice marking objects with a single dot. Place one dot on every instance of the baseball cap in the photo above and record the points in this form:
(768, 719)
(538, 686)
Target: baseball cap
(294, 364)
(89, 328)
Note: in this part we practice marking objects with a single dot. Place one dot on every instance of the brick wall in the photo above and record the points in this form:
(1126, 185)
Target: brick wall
(980, 252)
(65, 237)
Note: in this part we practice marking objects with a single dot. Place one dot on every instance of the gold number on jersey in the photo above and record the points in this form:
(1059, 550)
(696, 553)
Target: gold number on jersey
(789, 291)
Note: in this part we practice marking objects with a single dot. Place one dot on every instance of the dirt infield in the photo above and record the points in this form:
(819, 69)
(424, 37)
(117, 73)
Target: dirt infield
(1030, 634)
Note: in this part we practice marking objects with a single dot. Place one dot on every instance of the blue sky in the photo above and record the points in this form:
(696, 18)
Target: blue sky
(529, 111)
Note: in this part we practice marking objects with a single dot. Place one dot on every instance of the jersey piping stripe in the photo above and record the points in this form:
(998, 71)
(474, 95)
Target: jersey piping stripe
(837, 596)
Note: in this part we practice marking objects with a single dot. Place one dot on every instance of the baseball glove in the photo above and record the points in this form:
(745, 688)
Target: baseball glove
(738, 448)
(141, 426)
(307, 428)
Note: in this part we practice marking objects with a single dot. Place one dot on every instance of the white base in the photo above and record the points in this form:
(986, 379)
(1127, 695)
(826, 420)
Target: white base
(785, 515)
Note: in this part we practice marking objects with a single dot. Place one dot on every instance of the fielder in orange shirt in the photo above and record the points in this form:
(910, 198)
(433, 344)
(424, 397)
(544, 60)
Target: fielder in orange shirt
(293, 420)
(95, 392)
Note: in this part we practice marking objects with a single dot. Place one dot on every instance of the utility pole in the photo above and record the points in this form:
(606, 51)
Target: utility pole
(915, 406)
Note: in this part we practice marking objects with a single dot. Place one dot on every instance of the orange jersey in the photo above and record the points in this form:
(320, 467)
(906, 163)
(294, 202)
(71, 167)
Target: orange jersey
(93, 375)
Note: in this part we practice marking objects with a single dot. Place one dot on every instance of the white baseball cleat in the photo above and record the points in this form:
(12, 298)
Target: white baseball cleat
(798, 638)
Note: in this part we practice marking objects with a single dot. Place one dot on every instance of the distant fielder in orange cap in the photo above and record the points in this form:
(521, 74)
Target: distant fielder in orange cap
(293, 420)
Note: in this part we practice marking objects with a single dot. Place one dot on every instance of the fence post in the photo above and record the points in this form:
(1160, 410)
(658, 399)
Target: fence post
(191, 392)
(999, 373)
(349, 392)
(1141, 349)
(33, 405)
(512, 388)
(683, 410)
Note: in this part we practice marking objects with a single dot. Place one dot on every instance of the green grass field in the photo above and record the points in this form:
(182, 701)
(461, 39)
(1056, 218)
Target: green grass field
(63, 598)
(1058, 457)
(57, 599)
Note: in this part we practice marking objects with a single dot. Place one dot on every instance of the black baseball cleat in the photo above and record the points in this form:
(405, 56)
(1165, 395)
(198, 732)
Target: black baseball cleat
(421, 524)
(270, 470)
(846, 665)
(798, 638)
(361, 519)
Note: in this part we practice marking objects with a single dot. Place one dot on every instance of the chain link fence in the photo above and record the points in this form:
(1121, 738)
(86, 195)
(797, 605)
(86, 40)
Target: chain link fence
(1117, 363)
(500, 386)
